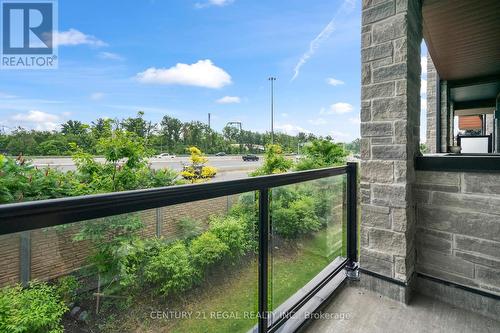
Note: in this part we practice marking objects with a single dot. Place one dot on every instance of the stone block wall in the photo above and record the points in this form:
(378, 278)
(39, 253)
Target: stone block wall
(431, 106)
(458, 228)
(54, 253)
(390, 125)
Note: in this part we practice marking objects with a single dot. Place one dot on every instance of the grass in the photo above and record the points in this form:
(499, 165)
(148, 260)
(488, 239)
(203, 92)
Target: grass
(292, 267)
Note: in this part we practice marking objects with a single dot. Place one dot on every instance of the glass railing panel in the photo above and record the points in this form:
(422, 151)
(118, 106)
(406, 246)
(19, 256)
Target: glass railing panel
(189, 267)
(308, 237)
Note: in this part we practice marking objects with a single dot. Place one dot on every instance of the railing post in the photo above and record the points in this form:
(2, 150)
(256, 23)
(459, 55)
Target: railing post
(159, 222)
(352, 220)
(263, 258)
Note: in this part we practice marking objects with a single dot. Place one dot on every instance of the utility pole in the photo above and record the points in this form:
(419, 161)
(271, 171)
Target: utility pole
(209, 121)
(272, 79)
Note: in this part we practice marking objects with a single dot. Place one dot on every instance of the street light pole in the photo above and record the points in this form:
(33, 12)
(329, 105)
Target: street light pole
(272, 79)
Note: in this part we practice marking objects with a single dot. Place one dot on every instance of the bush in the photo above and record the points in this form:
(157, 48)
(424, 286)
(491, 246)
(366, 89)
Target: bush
(322, 154)
(207, 249)
(171, 269)
(296, 218)
(67, 287)
(37, 309)
(274, 162)
(189, 228)
(232, 232)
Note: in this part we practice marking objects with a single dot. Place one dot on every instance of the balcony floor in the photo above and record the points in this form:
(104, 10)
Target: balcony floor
(371, 313)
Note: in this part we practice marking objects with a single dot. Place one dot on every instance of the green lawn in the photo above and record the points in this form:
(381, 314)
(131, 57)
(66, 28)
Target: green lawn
(292, 268)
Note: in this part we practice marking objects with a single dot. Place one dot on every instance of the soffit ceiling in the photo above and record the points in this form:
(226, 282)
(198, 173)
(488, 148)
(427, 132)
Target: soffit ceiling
(463, 37)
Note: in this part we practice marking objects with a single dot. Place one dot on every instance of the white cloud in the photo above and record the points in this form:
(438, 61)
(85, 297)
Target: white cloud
(347, 6)
(110, 56)
(37, 120)
(423, 87)
(423, 104)
(291, 129)
(75, 37)
(97, 96)
(339, 134)
(337, 108)
(334, 82)
(228, 100)
(201, 74)
(209, 3)
(423, 64)
(318, 121)
(355, 120)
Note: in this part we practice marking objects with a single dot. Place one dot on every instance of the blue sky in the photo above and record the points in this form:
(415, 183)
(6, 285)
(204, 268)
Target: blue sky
(186, 58)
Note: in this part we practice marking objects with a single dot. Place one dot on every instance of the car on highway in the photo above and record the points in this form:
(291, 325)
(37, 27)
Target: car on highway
(165, 155)
(250, 157)
(220, 154)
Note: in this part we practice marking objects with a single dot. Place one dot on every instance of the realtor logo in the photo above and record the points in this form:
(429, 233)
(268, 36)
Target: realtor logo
(28, 34)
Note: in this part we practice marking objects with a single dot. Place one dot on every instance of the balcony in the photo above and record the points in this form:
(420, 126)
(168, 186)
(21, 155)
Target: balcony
(236, 256)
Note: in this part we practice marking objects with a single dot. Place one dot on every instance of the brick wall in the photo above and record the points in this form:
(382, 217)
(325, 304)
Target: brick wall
(54, 253)
(458, 228)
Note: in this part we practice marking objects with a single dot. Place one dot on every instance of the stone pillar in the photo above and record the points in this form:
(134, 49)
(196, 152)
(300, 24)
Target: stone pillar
(446, 118)
(431, 106)
(390, 126)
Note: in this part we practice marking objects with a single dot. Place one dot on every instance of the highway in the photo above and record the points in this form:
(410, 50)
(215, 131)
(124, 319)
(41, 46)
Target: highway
(228, 167)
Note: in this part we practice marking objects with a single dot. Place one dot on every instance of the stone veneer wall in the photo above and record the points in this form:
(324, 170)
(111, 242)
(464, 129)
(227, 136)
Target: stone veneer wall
(458, 228)
(390, 125)
(54, 253)
(431, 106)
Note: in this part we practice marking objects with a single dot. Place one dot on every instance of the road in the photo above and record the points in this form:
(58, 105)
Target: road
(228, 167)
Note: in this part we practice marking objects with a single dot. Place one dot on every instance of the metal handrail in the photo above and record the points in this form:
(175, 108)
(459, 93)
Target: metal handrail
(32, 215)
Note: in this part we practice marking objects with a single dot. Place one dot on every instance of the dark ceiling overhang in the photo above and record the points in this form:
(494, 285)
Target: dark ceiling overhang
(463, 37)
(463, 40)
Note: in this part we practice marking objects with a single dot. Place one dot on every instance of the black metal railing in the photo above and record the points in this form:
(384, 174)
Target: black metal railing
(34, 215)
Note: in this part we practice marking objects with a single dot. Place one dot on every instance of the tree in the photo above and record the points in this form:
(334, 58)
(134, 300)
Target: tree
(101, 128)
(74, 127)
(53, 147)
(274, 162)
(354, 146)
(138, 126)
(322, 154)
(171, 130)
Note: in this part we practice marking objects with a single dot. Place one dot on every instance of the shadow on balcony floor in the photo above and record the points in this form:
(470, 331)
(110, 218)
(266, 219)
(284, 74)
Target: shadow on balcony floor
(368, 312)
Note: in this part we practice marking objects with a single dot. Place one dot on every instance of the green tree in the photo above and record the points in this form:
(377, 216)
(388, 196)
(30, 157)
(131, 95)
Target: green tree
(322, 154)
(171, 130)
(274, 162)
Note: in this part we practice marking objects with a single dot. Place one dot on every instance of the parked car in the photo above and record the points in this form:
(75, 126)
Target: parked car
(220, 154)
(165, 155)
(250, 157)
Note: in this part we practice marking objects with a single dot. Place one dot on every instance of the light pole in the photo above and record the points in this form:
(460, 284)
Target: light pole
(272, 79)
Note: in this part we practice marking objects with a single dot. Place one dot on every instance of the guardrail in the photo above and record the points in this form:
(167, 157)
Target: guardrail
(33, 215)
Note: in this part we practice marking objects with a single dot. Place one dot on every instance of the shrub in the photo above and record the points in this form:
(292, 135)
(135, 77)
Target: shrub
(171, 269)
(232, 232)
(321, 154)
(36, 309)
(67, 287)
(274, 162)
(207, 249)
(189, 228)
(296, 219)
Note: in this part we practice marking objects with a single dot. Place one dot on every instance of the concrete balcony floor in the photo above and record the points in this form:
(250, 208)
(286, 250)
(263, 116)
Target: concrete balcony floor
(371, 313)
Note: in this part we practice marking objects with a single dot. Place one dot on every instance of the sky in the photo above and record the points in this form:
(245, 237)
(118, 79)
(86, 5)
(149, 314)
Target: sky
(188, 58)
